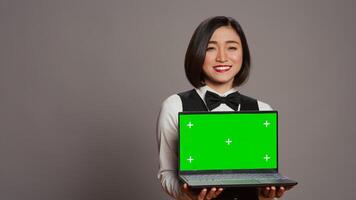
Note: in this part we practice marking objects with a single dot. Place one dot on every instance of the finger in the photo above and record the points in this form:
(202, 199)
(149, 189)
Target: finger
(265, 191)
(186, 190)
(272, 193)
(280, 192)
(211, 193)
(202, 194)
(218, 192)
(185, 186)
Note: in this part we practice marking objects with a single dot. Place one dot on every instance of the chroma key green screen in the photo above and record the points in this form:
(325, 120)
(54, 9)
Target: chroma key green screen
(228, 140)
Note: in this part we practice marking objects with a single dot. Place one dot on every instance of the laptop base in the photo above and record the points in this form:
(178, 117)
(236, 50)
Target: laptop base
(237, 180)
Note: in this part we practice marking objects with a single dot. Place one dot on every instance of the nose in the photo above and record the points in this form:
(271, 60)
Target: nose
(221, 57)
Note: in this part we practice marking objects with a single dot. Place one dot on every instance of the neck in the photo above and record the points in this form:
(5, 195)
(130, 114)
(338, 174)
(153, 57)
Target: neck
(220, 88)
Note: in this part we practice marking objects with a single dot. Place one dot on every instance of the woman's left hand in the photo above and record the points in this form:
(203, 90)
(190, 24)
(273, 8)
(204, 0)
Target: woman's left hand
(268, 193)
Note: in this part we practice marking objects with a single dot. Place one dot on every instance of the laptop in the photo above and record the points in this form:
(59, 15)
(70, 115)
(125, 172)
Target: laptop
(229, 149)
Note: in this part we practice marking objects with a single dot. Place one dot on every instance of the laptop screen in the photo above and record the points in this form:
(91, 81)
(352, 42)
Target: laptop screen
(228, 140)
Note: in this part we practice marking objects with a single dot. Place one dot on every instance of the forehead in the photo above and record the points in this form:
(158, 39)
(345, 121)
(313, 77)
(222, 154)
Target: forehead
(225, 33)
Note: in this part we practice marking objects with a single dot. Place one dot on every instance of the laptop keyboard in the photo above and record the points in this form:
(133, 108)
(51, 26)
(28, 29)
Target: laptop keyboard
(238, 177)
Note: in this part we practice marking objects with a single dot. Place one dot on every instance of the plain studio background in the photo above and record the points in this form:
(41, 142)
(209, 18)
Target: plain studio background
(82, 82)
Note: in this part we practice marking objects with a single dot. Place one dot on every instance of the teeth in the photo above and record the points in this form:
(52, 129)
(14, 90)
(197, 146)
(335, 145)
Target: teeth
(222, 67)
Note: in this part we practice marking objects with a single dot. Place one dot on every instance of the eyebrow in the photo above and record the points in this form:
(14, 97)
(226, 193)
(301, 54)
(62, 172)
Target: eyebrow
(229, 41)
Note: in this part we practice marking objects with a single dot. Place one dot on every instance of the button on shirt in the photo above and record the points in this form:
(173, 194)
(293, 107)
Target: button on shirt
(167, 138)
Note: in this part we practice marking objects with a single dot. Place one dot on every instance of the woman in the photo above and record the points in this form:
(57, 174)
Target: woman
(217, 61)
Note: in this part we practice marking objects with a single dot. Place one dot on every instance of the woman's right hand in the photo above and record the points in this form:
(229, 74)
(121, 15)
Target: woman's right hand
(204, 193)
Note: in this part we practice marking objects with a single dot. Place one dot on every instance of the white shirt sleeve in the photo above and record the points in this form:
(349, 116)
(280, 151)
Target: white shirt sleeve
(262, 106)
(167, 138)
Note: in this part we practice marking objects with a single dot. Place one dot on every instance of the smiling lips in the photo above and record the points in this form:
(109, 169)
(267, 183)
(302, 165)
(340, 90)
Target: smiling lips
(222, 68)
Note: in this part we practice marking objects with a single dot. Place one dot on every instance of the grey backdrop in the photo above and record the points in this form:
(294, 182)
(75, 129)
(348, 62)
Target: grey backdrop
(81, 85)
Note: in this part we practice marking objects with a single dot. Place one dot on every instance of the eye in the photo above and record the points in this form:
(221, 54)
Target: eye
(210, 48)
(232, 48)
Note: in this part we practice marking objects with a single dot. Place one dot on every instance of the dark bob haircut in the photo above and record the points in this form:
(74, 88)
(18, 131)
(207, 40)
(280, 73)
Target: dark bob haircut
(195, 55)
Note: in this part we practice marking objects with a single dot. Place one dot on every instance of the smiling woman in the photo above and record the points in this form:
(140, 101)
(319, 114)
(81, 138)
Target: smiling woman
(206, 38)
(223, 59)
(217, 61)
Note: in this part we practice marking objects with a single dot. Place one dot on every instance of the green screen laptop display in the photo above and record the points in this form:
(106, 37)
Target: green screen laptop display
(228, 141)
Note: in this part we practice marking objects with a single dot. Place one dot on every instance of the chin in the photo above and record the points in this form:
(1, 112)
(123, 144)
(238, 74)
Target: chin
(221, 82)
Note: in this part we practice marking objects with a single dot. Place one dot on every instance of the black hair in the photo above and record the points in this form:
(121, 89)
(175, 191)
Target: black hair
(195, 55)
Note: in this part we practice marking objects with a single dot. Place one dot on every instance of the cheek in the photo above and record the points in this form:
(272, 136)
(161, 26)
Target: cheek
(236, 58)
(208, 61)
(209, 57)
(206, 68)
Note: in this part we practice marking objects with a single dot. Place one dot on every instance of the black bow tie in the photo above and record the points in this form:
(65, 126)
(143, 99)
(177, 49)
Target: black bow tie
(214, 100)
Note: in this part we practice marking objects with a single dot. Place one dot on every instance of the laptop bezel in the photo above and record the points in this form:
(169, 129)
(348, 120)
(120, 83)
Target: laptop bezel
(190, 172)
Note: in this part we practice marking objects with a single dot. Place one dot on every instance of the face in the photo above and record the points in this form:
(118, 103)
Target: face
(223, 58)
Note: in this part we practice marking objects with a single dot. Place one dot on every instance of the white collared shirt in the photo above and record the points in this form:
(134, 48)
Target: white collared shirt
(167, 138)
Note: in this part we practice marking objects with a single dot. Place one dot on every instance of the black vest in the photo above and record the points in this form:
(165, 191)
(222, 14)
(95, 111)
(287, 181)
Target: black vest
(191, 101)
